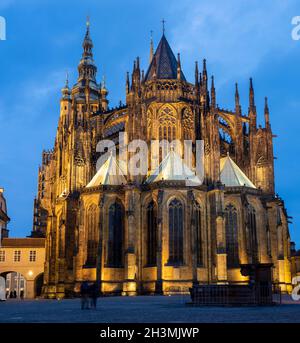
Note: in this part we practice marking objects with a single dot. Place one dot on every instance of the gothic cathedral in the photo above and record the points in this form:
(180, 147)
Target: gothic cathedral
(156, 234)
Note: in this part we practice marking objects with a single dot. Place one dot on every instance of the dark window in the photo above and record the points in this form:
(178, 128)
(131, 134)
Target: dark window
(175, 232)
(92, 238)
(252, 233)
(232, 246)
(151, 234)
(115, 235)
(198, 228)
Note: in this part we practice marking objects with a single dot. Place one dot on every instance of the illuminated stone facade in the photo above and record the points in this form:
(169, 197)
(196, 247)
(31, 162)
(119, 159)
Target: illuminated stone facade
(162, 236)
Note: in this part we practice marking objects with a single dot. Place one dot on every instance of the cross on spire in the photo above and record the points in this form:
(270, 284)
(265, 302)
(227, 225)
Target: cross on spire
(163, 25)
(88, 23)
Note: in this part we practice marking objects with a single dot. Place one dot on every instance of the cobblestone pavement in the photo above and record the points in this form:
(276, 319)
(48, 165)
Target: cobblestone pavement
(148, 309)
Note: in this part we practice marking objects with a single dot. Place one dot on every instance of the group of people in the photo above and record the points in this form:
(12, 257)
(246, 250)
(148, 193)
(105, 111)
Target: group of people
(89, 293)
(13, 294)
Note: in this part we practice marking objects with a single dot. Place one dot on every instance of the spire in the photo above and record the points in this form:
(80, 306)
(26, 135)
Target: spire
(87, 68)
(213, 93)
(151, 48)
(252, 109)
(237, 100)
(196, 74)
(204, 87)
(251, 95)
(66, 90)
(267, 113)
(178, 67)
(104, 93)
(164, 63)
(127, 83)
(136, 75)
(204, 73)
(103, 84)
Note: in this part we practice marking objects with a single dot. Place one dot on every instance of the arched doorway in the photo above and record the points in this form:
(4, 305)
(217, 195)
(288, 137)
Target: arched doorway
(38, 285)
(15, 285)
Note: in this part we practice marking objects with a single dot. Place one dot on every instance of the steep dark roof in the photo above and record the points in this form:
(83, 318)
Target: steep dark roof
(165, 61)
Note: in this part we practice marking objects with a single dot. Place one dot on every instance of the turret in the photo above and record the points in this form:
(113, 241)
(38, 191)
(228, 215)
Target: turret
(104, 93)
(65, 103)
(87, 68)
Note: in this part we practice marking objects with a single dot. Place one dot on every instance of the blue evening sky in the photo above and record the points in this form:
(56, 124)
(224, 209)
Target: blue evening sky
(239, 39)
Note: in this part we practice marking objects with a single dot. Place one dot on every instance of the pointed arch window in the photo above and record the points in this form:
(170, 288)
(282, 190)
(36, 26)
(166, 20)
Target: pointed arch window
(198, 229)
(115, 235)
(151, 233)
(252, 234)
(231, 227)
(92, 237)
(175, 233)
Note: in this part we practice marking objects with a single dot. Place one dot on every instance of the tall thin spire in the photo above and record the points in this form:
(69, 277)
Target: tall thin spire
(204, 73)
(213, 93)
(251, 95)
(178, 67)
(204, 87)
(267, 113)
(127, 83)
(237, 100)
(252, 108)
(151, 47)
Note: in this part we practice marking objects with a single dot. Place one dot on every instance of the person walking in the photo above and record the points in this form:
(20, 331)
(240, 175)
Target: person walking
(84, 294)
(94, 295)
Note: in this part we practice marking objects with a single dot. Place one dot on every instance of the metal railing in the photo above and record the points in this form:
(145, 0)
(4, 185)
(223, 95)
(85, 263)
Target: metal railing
(228, 295)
